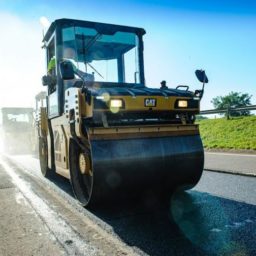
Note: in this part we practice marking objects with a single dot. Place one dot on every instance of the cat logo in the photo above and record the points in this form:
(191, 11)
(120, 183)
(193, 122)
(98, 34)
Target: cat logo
(150, 102)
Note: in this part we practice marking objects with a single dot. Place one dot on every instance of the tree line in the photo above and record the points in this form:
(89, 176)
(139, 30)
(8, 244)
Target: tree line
(233, 100)
(230, 102)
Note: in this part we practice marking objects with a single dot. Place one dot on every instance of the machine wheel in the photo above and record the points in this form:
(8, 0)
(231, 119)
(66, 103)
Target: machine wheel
(43, 157)
(81, 172)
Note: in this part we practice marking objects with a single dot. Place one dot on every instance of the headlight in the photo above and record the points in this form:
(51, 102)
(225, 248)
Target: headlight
(182, 103)
(116, 103)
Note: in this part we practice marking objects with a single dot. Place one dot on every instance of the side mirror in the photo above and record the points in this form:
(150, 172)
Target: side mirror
(201, 76)
(66, 70)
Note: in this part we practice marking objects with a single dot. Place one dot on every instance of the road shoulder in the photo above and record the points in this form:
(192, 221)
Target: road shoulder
(22, 230)
(230, 162)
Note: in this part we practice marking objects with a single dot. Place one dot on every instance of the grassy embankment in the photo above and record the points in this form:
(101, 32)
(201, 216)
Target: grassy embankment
(236, 133)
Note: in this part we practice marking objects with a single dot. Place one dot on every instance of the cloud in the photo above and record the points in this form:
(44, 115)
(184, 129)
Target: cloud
(22, 61)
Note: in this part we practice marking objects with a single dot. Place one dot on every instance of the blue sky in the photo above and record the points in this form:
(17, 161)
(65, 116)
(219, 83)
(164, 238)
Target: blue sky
(218, 36)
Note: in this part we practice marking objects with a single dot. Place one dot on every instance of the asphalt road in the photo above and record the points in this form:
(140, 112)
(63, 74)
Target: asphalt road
(231, 162)
(217, 217)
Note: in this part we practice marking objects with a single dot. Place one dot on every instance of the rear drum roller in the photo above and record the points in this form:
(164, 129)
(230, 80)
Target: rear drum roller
(43, 158)
(81, 172)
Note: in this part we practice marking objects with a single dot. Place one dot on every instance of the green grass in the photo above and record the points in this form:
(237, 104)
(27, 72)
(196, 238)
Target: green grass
(236, 133)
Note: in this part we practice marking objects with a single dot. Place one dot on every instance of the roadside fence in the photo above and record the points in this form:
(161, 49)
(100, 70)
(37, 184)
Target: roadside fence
(227, 111)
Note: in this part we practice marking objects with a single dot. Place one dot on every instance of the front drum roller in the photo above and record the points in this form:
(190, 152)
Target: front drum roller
(112, 169)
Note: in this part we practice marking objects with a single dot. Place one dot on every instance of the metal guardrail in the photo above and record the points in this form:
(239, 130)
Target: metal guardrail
(227, 110)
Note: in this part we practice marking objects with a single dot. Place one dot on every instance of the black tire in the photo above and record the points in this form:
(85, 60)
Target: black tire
(43, 158)
(82, 183)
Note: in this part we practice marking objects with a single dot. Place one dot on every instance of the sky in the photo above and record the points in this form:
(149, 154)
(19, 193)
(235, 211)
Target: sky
(182, 36)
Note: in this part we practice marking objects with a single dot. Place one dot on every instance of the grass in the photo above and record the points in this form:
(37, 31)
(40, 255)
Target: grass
(236, 133)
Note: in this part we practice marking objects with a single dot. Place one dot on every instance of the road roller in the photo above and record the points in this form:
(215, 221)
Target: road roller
(103, 128)
(17, 130)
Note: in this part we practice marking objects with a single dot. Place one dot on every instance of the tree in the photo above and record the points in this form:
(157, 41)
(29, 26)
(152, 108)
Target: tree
(233, 100)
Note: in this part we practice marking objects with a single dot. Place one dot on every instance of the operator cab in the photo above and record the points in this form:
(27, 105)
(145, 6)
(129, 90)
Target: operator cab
(102, 55)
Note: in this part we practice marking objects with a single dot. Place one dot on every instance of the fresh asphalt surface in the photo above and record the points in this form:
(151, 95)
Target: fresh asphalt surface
(217, 217)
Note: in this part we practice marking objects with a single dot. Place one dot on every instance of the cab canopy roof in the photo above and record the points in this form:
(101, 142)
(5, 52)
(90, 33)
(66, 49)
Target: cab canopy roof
(102, 28)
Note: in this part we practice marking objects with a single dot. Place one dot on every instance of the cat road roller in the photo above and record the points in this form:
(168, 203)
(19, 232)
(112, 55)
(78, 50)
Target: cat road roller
(17, 130)
(103, 128)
